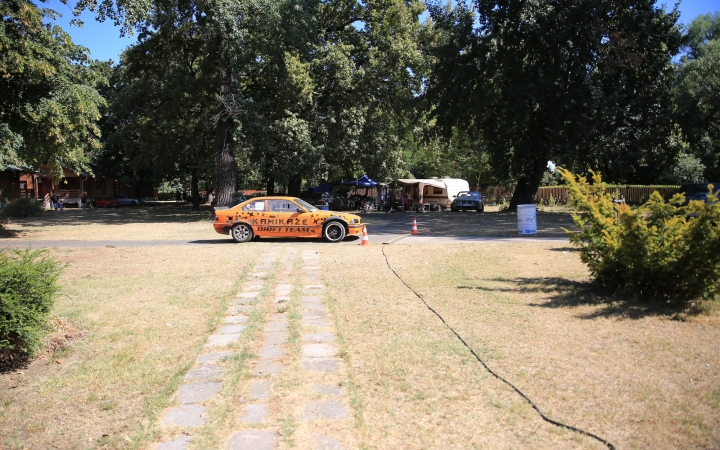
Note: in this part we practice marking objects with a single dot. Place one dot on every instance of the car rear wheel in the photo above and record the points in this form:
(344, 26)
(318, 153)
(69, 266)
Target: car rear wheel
(334, 232)
(481, 208)
(241, 232)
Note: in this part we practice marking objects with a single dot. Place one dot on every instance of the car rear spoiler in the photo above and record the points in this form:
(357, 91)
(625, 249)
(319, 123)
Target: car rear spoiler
(219, 208)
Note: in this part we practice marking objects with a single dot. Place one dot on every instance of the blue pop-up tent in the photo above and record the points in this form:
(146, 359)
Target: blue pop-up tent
(363, 181)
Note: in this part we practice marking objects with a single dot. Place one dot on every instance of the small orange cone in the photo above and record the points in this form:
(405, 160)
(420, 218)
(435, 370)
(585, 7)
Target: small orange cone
(414, 228)
(365, 240)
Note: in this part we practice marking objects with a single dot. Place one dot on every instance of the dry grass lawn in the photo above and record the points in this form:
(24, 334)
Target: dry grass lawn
(619, 368)
(147, 313)
(124, 224)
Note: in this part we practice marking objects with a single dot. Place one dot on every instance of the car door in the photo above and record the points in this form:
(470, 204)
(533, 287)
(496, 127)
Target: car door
(285, 219)
(255, 213)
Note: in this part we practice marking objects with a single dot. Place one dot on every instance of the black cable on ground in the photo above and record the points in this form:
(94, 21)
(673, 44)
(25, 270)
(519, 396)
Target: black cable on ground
(521, 393)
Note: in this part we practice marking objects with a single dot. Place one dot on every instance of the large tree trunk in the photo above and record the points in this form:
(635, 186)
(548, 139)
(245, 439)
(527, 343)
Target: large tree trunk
(528, 185)
(271, 185)
(294, 185)
(226, 165)
(195, 190)
(224, 143)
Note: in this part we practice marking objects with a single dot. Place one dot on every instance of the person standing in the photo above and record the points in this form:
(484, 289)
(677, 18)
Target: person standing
(54, 200)
(84, 201)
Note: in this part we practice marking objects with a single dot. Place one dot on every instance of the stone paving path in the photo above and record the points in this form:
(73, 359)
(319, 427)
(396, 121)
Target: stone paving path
(294, 396)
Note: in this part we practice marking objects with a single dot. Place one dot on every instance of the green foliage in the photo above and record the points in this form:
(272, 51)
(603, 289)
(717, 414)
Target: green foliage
(581, 83)
(697, 92)
(659, 250)
(49, 104)
(28, 286)
(22, 207)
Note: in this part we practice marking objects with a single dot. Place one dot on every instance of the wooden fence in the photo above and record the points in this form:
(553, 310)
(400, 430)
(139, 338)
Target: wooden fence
(633, 193)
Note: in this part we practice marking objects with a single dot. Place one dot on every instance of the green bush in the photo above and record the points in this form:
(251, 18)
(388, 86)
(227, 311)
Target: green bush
(28, 286)
(660, 250)
(23, 207)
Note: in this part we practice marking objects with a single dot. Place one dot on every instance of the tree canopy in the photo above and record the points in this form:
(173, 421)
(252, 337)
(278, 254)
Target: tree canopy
(584, 84)
(697, 92)
(49, 104)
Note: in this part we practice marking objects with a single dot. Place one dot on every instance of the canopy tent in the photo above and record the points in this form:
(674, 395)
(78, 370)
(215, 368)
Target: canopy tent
(363, 181)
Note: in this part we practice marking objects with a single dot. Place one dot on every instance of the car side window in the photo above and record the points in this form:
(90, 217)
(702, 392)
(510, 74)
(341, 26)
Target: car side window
(257, 205)
(282, 206)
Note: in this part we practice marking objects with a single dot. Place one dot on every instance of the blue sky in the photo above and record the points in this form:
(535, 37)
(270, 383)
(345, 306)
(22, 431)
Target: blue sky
(104, 41)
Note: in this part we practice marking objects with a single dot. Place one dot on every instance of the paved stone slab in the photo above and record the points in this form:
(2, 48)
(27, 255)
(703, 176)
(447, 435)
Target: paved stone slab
(260, 389)
(255, 413)
(315, 323)
(221, 340)
(314, 315)
(259, 275)
(313, 306)
(236, 319)
(205, 372)
(283, 286)
(198, 392)
(271, 352)
(248, 295)
(279, 317)
(213, 357)
(319, 337)
(325, 443)
(186, 416)
(318, 350)
(180, 443)
(321, 364)
(266, 367)
(282, 299)
(243, 301)
(240, 307)
(327, 410)
(252, 440)
(314, 287)
(311, 299)
(254, 286)
(276, 337)
(328, 389)
(231, 329)
(277, 326)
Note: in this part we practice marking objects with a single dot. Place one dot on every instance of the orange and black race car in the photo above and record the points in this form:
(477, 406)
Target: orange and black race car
(284, 217)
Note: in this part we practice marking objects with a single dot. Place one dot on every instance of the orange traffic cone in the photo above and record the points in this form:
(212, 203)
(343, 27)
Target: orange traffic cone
(414, 228)
(365, 240)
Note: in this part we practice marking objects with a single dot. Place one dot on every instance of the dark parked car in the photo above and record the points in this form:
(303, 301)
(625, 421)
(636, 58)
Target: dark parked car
(698, 191)
(467, 200)
(334, 202)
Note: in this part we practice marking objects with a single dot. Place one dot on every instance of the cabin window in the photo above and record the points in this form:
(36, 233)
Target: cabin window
(23, 185)
(437, 191)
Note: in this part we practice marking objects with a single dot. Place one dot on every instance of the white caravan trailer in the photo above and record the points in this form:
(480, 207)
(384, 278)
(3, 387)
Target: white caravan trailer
(435, 191)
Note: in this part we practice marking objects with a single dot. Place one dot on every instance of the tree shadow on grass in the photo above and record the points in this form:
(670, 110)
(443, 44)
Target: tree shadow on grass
(564, 293)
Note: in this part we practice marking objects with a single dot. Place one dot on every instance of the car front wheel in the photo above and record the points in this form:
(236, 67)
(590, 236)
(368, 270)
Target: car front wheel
(334, 232)
(241, 232)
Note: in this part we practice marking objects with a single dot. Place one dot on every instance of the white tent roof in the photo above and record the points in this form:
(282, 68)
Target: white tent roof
(428, 181)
